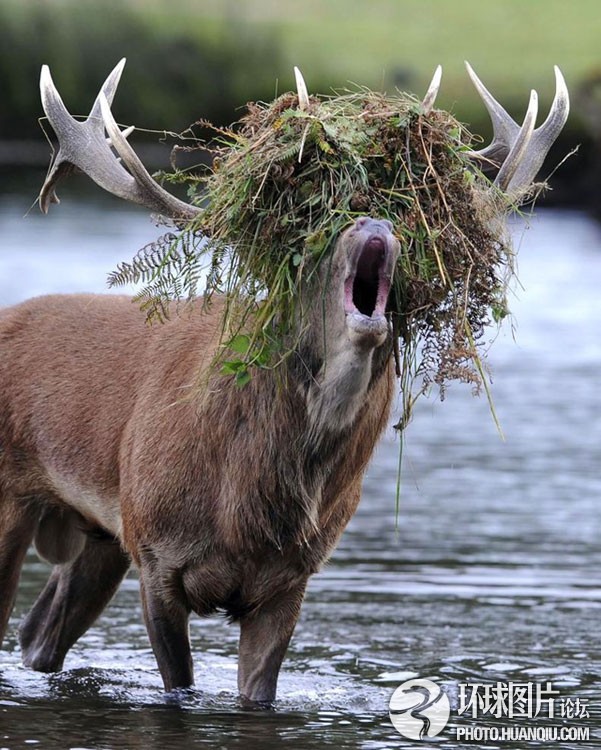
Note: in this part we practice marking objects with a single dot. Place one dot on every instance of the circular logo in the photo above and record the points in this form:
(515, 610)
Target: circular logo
(419, 709)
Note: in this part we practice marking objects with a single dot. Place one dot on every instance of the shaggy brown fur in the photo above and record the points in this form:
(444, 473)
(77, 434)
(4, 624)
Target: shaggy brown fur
(227, 501)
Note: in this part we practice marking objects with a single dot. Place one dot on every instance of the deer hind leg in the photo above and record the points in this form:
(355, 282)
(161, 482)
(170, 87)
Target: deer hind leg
(18, 519)
(74, 596)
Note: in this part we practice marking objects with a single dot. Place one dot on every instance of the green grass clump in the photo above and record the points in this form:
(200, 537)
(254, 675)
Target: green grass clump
(284, 183)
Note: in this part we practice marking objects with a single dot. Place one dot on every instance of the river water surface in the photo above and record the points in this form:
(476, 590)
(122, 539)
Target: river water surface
(491, 575)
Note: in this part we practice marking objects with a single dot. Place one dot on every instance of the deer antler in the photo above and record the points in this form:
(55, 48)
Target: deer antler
(432, 92)
(521, 151)
(82, 145)
(301, 87)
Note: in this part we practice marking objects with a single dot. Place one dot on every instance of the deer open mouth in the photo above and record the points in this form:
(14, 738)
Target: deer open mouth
(366, 289)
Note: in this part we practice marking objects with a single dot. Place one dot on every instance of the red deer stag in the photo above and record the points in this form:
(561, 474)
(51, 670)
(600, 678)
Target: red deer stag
(230, 502)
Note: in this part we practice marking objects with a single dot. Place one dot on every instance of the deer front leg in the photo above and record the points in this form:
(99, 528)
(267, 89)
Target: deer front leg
(166, 614)
(264, 637)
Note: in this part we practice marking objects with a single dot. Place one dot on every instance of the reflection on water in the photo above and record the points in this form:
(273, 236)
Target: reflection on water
(493, 572)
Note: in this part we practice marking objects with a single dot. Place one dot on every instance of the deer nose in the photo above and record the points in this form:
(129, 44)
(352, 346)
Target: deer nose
(376, 226)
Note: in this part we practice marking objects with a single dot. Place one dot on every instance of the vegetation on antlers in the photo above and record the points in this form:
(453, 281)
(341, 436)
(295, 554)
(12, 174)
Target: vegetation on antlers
(282, 185)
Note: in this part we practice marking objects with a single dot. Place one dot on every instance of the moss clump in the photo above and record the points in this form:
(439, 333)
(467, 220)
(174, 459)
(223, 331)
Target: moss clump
(282, 185)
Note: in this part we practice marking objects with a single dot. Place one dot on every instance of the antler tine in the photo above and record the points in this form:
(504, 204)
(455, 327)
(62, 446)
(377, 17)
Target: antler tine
(109, 88)
(520, 145)
(301, 87)
(432, 92)
(75, 138)
(505, 128)
(82, 145)
(543, 137)
(521, 151)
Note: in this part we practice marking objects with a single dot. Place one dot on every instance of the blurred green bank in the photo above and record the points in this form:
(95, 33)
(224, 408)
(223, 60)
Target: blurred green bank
(190, 59)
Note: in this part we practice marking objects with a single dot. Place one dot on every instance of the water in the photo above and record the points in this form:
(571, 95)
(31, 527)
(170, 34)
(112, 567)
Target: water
(492, 574)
